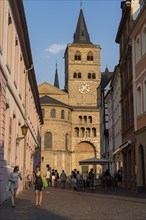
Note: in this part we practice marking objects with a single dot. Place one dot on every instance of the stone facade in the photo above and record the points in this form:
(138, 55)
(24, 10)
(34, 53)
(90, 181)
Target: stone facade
(74, 132)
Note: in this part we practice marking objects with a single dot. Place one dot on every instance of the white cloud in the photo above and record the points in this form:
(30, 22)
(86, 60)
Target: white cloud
(56, 48)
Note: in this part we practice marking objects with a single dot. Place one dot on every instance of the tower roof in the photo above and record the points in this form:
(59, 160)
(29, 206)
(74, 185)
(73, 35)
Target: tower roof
(81, 35)
(56, 80)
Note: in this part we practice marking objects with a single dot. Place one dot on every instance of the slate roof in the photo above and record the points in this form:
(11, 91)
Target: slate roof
(48, 100)
(81, 35)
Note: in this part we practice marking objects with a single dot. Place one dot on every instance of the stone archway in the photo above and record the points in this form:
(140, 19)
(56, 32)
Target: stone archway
(142, 165)
(83, 150)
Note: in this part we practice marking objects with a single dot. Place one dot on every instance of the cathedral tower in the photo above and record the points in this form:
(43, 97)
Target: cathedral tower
(82, 78)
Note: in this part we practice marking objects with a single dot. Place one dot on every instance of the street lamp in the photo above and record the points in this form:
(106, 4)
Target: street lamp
(24, 130)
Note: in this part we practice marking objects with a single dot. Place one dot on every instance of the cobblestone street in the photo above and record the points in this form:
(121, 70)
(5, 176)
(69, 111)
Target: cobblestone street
(64, 204)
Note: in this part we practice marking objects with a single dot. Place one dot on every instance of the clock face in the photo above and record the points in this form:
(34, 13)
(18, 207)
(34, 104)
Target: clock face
(84, 87)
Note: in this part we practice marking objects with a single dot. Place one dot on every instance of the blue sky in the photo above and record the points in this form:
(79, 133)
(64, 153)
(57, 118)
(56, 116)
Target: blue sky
(52, 23)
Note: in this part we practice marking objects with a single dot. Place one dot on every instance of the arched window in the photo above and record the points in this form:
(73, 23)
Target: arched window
(80, 119)
(85, 119)
(90, 119)
(93, 76)
(139, 101)
(48, 140)
(76, 132)
(93, 132)
(138, 49)
(89, 75)
(66, 141)
(88, 132)
(78, 55)
(62, 114)
(82, 132)
(90, 56)
(75, 75)
(79, 75)
(53, 113)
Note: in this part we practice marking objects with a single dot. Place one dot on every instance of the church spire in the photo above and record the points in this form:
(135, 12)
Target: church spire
(56, 80)
(81, 35)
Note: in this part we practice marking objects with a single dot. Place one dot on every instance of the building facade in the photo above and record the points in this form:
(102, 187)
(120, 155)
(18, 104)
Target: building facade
(71, 116)
(104, 120)
(116, 118)
(138, 38)
(130, 10)
(19, 98)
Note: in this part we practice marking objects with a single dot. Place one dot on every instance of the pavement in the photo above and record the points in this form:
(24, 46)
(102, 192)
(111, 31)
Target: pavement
(69, 204)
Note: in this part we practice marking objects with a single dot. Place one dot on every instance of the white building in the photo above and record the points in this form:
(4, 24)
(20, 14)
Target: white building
(19, 99)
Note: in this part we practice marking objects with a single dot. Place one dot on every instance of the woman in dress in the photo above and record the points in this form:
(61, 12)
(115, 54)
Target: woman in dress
(13, 178)
(38, 184)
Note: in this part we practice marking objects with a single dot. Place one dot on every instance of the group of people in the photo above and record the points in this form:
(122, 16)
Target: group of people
(38, 181)
(76, 180)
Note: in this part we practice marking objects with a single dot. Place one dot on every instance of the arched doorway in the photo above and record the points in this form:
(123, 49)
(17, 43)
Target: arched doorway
(142, 165)
(83, 150)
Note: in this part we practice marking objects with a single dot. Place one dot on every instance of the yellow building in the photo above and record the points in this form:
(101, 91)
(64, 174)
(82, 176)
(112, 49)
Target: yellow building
(71, 130)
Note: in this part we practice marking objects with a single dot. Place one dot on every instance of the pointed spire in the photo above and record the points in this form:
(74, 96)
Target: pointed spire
(81, 35)
(56, 80)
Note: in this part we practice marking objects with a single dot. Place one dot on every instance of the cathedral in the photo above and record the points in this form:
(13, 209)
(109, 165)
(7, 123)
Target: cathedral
(71, 130)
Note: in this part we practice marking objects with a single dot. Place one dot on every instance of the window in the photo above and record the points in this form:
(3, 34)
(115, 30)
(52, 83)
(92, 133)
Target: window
(89, 75)
(90, 119)
(90, 56)
(9, 41)
(48, 140)
(78, 56)
(82, 132)
(144, 91)
(93, 132)
(16, 62)
(75, 75)
(66, 141)
(137, 50)
(53, 113)
(76, 132)
(62, 114)
(144, 41)
(79, 75)
(80, 119)
(93, 76)
(88, 132)
(139, 101)
(85, 119)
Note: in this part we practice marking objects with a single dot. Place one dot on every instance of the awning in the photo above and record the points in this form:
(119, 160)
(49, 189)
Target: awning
(122, 146)
(94, 161)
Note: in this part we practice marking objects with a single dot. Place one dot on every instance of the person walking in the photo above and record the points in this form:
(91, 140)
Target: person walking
(49, 177)
(63, 179)
(13, 178)
(38, 186)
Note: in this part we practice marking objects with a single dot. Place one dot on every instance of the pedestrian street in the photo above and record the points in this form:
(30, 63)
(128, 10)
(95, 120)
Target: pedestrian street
(68, 204)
